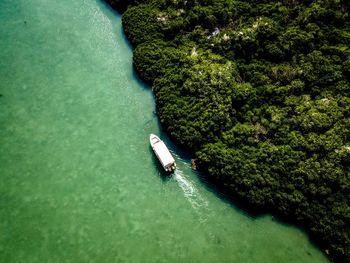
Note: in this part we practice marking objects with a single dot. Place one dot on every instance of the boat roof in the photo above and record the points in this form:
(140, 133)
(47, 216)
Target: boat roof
(153, 139)
(163, 153)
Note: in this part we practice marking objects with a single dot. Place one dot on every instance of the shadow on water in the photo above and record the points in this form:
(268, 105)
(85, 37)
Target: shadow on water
(139, 81)
(255, 212)
(151, 121)
(223, 194)
(104, 6)
(113, 14)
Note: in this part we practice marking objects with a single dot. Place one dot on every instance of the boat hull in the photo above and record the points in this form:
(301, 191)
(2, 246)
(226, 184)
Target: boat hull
(163, 154)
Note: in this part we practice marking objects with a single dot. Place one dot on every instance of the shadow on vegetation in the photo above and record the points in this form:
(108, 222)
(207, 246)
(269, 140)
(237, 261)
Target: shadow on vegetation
(139, 81)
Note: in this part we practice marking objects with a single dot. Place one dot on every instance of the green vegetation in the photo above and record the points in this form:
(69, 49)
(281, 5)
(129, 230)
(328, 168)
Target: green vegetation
(259, 91)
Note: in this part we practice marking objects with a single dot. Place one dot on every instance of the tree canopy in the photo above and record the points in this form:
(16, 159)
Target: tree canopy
(259, 91)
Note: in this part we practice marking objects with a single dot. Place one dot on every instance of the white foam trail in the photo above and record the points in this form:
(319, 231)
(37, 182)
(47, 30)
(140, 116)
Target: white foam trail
(191, 193)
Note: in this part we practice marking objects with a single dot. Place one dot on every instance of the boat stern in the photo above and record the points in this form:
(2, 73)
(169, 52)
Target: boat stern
(171, 167)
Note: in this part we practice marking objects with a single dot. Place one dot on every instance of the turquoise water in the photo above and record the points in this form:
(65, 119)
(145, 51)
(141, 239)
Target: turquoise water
(78, 180)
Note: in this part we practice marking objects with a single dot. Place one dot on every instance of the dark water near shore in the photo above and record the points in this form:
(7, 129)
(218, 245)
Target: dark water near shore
(78, 180)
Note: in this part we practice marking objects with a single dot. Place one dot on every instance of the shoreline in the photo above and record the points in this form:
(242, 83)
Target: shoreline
(296, 217)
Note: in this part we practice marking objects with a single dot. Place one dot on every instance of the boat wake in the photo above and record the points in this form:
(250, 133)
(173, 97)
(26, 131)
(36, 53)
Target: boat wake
(191, 193)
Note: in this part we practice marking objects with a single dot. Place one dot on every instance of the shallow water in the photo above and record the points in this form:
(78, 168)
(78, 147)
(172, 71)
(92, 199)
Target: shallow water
(78, 180)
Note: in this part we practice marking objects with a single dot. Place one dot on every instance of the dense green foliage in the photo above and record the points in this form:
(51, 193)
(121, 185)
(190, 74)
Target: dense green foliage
(260, 92)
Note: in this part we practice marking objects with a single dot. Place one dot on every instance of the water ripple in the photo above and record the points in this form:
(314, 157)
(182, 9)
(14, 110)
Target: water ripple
(191, 193)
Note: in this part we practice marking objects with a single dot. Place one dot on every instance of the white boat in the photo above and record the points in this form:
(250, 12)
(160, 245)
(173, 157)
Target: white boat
(162, 152)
